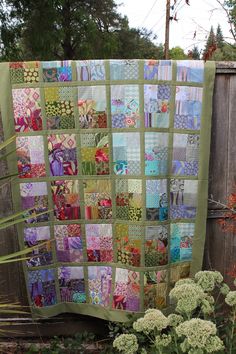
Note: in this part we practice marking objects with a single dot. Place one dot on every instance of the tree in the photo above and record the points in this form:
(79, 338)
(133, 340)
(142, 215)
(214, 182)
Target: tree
(177, 53)
(229, 6)
(211, 45)
(194, 53)
(70, 29)
(219, 37)
(227, 52)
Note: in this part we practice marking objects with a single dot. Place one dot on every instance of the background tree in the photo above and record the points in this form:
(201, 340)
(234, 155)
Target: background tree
(194, 53)
(177, 53)
(70, 29)
(219, 37)
(211, 45)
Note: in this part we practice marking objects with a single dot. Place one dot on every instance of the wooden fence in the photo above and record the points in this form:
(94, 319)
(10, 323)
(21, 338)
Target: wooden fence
(220, 249)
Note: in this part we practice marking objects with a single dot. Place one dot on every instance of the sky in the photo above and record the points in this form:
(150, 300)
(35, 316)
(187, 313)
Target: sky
(194, 20)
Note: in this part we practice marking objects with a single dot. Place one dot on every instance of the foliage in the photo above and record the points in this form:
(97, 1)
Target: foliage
(230, 6)
(70, 29)
(211, 45)
(226, 52)
(177, 53)
(194, 53)
(219, 37)
(203, 322)
(80, 344)
(5, 222)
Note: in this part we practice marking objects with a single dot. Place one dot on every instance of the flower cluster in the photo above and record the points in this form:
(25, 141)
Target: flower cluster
(188, 296)
(208, 279)
(162, 340)
(174, 320)
(231, 298)
(199, 334)
(126, 343)
(152, 320)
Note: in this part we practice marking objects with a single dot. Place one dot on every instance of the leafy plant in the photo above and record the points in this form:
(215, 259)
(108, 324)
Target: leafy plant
(203, 321)
(5, 222)
(81, 343)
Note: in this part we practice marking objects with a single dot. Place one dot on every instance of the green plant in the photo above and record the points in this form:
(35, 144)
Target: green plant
(81, 343)
(203, 321)
(5, 222)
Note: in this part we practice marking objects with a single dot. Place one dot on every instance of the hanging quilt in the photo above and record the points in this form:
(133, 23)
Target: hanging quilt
(112, 162)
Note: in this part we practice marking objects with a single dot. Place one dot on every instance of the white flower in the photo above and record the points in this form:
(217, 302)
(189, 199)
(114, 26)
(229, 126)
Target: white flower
(126, 343)
(199, 335)
(153, 319)
(231, 298)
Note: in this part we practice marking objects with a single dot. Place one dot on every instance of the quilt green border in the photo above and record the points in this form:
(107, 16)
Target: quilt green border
(200, 220)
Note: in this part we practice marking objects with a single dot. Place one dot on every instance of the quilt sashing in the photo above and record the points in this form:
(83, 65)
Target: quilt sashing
(110, 169)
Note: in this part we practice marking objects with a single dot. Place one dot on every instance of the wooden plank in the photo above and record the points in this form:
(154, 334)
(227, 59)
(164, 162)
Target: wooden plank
(213, 259)
(215, 240)
(219, 138)
(65, 324)
(230, 246)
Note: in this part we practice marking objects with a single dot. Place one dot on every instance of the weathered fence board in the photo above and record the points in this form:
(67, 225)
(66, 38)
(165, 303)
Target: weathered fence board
(220, 249)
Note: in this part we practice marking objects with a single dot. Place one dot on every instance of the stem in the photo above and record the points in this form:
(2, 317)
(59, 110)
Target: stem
(232, 332)
(176, 345)
(221, 204)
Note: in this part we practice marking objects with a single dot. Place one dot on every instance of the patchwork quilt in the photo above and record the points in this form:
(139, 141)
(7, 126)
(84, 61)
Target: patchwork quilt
(112, 163)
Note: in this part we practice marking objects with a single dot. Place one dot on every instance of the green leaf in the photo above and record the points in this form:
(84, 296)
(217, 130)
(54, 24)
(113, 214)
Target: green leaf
(8, 176)
(8, 224)
(7, 142)
(4, 156)
(14, 216)
(21, 253)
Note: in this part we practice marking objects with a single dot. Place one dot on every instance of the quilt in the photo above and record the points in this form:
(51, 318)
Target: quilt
(112, 172)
